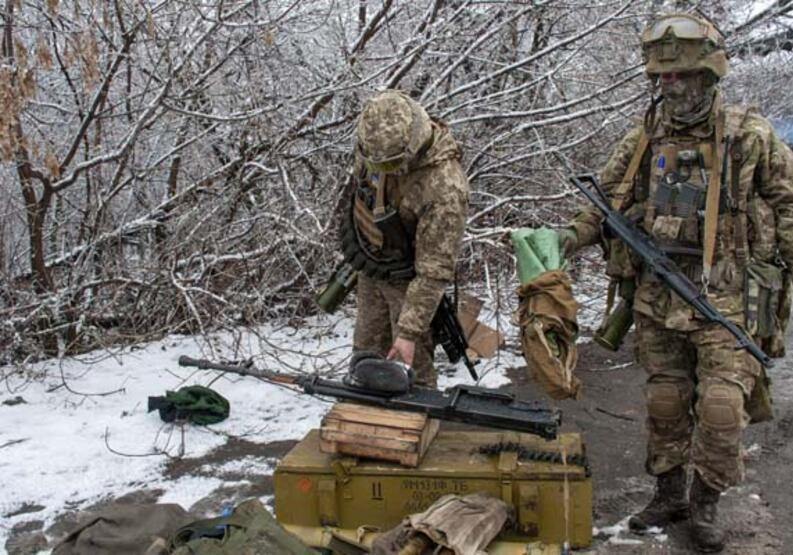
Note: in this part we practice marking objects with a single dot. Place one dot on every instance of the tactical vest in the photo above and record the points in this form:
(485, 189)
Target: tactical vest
(376, 240)
(665, 189)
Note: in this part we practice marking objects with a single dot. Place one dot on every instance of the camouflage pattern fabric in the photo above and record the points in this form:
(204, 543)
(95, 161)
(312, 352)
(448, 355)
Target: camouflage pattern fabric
(689, 98)
(765, 172)
(685, 357)
(705, 366)
(432, 202)
(380, 304)
(392, 125)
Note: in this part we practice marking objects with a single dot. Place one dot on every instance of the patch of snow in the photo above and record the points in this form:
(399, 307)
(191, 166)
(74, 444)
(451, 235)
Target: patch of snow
(615, 529)
(83, 433)
(616, 540)
(247, 466)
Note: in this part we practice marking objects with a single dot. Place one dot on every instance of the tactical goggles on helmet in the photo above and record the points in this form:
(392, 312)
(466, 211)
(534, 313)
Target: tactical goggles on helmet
(394, 164)
(683, 27)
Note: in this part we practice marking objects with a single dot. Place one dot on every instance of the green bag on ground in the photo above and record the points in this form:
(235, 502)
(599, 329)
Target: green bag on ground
(194, 403)
(249, 530)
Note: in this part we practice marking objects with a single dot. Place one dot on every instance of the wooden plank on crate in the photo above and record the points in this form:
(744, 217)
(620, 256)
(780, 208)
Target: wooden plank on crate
(429, 435)
(405, 458)
(377, 433)
(373, 440)
(351, 412)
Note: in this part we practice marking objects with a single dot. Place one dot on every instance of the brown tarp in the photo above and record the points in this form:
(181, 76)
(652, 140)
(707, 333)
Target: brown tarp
(546, 316)
(463, 525)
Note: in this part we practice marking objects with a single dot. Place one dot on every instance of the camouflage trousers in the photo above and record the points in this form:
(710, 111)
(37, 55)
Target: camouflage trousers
(697, 386)
(379, 305)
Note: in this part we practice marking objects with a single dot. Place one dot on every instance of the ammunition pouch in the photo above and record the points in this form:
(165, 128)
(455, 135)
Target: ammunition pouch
(759, 405)
(767, 299)
(678, 198)
(762, 298)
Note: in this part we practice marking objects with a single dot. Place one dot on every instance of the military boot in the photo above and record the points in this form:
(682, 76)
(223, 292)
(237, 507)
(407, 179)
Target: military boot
(706, 534)
(669, 504)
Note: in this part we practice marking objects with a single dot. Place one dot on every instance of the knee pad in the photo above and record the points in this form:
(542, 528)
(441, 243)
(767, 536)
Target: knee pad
(666, 401)
(721, 406)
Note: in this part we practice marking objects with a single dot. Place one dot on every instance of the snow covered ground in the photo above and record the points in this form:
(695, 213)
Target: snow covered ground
(77, 431)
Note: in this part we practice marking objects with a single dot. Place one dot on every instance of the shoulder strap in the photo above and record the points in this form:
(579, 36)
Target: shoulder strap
(620, 195)
(712, 199)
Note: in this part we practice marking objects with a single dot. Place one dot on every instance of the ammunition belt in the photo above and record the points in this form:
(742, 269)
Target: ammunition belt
(369, 264)
(536, 455)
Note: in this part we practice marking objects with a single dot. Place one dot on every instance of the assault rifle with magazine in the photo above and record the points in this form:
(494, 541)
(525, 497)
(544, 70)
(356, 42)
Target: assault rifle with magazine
(461, 403)
(448, 333)
(664, 267)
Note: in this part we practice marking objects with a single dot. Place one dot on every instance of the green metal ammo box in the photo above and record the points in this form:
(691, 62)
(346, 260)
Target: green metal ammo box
(316, 492)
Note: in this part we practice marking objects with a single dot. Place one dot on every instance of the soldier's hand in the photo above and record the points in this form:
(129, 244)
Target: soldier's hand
(568, 242)
(402, 349)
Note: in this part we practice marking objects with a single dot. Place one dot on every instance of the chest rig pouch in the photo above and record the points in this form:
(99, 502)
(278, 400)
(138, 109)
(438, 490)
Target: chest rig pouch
(678, 188)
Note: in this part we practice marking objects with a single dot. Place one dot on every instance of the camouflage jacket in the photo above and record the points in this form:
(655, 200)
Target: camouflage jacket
(432, 202)
(764, 204)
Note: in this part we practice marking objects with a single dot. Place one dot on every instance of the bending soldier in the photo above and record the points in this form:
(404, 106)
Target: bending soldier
(408, 216)
(713, 185)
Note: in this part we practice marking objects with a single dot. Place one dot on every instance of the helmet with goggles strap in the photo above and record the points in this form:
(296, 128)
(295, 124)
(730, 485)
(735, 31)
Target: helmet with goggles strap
(391, 130)
(681, 42)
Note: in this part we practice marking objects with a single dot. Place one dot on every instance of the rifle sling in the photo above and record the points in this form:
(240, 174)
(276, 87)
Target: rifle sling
(712, 199)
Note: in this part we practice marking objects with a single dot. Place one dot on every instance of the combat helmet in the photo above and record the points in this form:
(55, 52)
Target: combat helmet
(391, 130)
(681, 42)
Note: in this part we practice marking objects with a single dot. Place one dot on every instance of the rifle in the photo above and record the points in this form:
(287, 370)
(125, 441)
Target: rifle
(448, 333)
(461, 403)
(665, 268)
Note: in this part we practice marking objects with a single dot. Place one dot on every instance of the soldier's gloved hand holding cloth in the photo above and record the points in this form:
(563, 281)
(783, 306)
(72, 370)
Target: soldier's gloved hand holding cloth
(547, 310)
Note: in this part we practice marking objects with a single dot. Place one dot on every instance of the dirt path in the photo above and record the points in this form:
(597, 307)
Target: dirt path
(610, 417)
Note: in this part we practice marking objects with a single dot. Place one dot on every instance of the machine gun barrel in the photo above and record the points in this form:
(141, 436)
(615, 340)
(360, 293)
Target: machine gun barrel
(461, 403)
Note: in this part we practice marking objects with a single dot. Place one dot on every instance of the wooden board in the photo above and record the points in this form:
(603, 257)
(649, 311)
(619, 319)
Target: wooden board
(377, 433)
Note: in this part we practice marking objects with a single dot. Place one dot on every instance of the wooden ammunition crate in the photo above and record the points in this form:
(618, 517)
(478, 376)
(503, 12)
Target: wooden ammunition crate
(316, 492)
(376, 433)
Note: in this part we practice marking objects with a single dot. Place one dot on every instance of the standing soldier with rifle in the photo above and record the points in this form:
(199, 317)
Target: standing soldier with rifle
(406, 220)
(712, 187)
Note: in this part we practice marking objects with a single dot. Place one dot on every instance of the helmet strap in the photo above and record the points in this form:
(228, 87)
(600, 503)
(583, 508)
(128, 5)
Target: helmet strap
(650, 120)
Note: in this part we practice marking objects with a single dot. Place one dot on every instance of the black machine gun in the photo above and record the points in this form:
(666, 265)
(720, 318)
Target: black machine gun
(461, 403)
(448, 333)
(665, 268)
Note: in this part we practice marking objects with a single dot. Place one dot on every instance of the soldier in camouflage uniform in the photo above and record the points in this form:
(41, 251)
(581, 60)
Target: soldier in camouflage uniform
(735, 239)
(408, 214)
